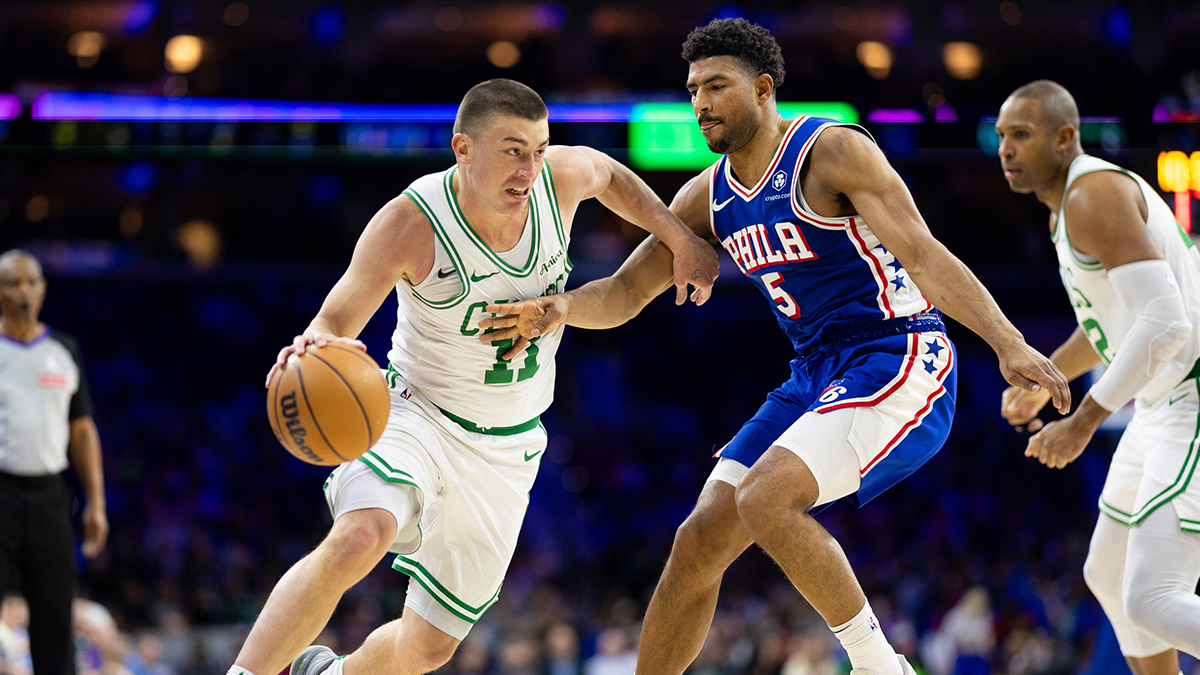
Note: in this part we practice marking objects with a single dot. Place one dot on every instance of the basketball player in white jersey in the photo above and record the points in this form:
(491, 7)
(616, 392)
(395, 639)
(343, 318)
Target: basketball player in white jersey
(1133, 277)
(447, 485)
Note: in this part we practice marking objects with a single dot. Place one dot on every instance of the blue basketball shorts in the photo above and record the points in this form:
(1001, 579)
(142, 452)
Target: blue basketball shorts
(862, 416)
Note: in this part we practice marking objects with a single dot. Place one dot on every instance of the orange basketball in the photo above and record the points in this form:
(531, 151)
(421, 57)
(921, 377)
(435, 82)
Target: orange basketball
(330, 405)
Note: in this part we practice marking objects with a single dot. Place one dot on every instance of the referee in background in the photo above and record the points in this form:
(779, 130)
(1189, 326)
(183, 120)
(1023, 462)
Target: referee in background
(45, 417)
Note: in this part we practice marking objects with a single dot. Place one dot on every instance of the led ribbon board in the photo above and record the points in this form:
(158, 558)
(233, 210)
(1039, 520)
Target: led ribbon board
(666, 137)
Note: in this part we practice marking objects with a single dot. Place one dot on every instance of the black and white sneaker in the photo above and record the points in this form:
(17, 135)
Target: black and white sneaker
(313, 661)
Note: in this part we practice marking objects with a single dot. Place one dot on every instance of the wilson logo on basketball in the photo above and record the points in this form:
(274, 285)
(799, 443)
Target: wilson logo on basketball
(291, 411)
(53, 381)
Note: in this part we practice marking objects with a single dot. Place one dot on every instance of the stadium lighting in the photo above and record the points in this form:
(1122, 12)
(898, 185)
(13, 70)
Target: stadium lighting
(10, 106)
(183, 53)
(665, 136)
(85, 46)
(962, 59)
(1179, 173)
(73, 105)
(876, 57)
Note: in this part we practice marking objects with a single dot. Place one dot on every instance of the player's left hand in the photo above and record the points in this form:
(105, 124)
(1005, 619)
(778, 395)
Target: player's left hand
(95, 530)
(522, 322)
(1025, 367)
(696, 263)
(1059, 443)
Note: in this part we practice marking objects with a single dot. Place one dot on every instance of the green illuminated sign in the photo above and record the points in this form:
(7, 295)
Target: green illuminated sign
(665, 136)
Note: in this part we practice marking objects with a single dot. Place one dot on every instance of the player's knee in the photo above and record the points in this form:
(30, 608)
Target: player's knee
(433, 657)
(362, 537)
(1144, 598)
(755, 505)
(1101, 576)
(429, 650)
(699, 542)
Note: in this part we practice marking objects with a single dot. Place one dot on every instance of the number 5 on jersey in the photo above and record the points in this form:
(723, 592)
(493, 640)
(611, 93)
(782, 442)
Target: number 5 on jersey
(784, 302)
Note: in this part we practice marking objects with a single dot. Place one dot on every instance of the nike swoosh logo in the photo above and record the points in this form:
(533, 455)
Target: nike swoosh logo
(1175, 400)
(718, 207)
(481, 278)
(529, 456)
(445, 274)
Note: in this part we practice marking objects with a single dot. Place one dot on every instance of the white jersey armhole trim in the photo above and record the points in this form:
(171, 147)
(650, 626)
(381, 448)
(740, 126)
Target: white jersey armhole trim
(800, 206)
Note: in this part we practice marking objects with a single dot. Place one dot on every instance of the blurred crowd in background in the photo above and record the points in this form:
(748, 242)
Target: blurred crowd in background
(184, 255)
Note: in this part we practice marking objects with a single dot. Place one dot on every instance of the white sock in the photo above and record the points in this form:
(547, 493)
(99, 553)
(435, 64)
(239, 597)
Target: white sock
(864, 643)
(335, 668)
(235, 669)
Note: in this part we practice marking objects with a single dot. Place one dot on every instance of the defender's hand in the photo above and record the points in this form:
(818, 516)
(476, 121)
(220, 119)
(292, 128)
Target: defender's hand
(1020, 407)
(696, 263)
(1025, 367)
(1059, 443)
(302, 342)
(522, 321)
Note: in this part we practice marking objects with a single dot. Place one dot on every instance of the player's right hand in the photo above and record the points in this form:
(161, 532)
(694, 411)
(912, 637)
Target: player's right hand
(1020, 407)
(302, 342)
(522, 321)
(1025, 367)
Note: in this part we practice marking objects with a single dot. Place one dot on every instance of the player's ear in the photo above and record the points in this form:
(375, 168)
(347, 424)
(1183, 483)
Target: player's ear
(461, 144)
(1065, 137)
(764, 87)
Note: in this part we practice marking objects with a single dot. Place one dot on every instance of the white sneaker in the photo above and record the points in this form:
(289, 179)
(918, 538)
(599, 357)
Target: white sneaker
(905, 668)
(312, 661)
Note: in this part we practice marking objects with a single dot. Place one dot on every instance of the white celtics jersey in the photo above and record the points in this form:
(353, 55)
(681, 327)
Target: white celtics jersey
(1100, 313)
(436, 347)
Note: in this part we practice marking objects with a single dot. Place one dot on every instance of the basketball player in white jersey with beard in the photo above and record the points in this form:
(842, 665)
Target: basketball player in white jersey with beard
(1133, 277)
(447, 485)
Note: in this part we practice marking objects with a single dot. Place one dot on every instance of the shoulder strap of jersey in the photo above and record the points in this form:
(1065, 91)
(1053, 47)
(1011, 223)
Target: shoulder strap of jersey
(803, 142)
(553, 217)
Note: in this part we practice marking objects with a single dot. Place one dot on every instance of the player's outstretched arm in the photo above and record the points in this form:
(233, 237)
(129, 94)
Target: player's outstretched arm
(583, 173)
(1105, 216)
(396, 243)
(1074, 357)
(607, 302)
(848, 163)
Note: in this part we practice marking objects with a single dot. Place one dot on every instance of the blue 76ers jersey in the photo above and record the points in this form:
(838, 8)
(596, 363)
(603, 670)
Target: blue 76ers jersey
(823, 276)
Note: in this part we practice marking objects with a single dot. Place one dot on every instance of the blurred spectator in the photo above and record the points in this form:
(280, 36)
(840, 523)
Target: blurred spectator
(14, 637)
(562, 650)
(147, 657)
(614, 654)
(812, 654)
(967, 629)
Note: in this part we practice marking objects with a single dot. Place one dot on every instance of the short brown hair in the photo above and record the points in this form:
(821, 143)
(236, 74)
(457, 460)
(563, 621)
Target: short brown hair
(495, 97)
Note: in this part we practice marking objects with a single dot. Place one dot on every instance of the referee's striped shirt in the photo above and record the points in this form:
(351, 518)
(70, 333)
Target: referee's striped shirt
(42, 389)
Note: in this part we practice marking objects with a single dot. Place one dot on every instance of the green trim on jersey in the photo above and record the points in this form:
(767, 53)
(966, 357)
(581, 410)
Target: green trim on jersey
(1192, 526)
(528, 267)
(557, 212)
(463, 422)
(440, 593)
(1181, 482)
(455, 260)
(515, 429)
(1059, 226)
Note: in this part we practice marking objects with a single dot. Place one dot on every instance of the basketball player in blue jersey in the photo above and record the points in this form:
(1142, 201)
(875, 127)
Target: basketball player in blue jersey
(811, 211)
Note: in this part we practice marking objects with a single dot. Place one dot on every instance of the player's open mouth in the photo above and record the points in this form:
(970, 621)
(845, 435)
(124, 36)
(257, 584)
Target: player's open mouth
(705, 126)
(518, 192)
(1010, 173)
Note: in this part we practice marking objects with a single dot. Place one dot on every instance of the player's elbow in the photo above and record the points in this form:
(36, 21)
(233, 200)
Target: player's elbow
(1172, 326)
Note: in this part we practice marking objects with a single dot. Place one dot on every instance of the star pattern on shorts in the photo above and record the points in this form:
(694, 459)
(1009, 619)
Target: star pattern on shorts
(929, 367)
(899, 282)
(895, 265)
(934, 347)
